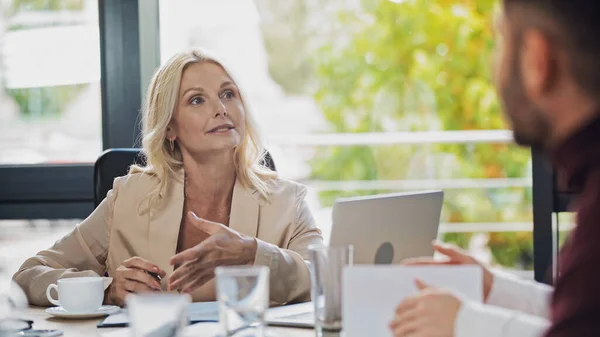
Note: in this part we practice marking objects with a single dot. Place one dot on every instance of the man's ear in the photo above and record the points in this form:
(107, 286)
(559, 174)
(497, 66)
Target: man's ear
(536, 63)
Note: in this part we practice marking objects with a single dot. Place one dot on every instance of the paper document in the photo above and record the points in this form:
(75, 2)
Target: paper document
(197, 312)
(371, 294)
(196, 330)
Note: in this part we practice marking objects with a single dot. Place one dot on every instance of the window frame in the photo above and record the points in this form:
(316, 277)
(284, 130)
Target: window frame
(129, 54)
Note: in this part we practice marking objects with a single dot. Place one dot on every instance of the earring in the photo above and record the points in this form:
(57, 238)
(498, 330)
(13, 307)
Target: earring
(172, 144)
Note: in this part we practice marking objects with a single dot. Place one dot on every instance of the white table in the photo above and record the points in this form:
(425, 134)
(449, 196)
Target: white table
(77, 328)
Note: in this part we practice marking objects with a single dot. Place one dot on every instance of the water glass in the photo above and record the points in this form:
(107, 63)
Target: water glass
(243, 296)
(158, 315)
(327, 265)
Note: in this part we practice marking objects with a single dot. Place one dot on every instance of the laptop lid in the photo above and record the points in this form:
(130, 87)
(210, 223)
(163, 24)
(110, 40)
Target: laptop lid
(385, 229)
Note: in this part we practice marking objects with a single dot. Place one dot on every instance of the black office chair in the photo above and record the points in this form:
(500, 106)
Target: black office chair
(548, 200)
(114, 163)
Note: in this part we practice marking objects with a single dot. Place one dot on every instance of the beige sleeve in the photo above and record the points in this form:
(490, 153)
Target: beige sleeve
(82, 252)
(290, 274)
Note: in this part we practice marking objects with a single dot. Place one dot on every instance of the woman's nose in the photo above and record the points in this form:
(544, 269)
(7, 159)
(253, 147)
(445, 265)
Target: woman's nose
(220, 109)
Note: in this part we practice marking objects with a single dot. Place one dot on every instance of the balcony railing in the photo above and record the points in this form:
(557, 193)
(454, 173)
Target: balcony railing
(411, 138)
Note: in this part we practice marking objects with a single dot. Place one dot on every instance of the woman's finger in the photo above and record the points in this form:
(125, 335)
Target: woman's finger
(197, 252)
(208, 227)
(179, 273)
(140, 263)
(184, 274)
(199, 281)
(141, 277)
(137, 287)
(190, 271)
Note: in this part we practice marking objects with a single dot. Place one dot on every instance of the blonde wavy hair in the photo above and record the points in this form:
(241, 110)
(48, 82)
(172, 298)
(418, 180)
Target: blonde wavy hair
(158, 111)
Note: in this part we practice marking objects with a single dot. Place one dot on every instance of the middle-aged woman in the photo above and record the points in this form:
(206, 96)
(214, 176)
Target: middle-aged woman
(202, 201)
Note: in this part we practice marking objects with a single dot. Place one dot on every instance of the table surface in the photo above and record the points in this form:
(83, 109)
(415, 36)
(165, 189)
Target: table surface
(87, 327)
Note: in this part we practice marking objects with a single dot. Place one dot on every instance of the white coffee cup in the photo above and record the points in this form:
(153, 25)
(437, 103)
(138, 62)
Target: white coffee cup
(78, 294)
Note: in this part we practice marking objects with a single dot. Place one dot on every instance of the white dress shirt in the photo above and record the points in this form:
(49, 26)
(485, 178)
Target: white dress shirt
(515, 308)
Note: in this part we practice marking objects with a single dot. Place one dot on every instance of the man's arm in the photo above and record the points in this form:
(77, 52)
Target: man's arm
(576, 302)
(526, 296)
(476, 320)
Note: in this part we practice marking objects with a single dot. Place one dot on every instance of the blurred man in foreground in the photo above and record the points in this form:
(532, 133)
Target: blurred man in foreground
(548, 77)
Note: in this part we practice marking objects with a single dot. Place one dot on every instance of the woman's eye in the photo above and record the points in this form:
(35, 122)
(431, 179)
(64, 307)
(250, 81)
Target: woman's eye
(197, 100)
(228, 94)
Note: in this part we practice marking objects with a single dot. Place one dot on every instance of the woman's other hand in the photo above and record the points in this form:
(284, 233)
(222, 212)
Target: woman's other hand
(132, 276)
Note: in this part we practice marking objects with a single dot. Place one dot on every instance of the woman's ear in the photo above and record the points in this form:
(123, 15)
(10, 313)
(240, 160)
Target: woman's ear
(171, 132)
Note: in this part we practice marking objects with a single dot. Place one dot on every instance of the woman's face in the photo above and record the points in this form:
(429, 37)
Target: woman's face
(209, 115)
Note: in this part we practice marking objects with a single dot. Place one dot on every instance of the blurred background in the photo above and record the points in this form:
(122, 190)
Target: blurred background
(353, 98)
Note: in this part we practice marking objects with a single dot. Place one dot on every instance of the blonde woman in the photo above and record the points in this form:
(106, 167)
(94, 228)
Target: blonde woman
(202, 201)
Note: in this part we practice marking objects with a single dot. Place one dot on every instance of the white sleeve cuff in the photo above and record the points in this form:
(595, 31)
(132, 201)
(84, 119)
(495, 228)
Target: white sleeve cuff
(476, 320)
(523, 295)
(107, 281)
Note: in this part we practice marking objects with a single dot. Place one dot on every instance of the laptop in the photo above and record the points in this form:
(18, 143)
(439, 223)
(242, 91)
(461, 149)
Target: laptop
(384, 229)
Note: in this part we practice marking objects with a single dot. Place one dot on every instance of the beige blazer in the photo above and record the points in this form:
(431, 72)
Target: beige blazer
(120, 228)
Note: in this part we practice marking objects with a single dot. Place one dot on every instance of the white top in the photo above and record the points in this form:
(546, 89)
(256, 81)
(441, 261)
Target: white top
(514, 308)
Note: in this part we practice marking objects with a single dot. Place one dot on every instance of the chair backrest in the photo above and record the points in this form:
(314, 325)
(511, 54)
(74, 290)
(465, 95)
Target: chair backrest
(114, 163)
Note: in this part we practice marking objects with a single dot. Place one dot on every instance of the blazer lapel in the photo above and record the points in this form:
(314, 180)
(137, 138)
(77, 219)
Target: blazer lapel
(164, 225)
(244, 211)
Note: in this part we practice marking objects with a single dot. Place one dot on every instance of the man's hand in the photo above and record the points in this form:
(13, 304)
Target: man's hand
(455, 256)
(431, 313)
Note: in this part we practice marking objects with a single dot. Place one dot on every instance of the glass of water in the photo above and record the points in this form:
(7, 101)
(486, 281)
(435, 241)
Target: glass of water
(243, 296)
(157, 315)
(327, 266)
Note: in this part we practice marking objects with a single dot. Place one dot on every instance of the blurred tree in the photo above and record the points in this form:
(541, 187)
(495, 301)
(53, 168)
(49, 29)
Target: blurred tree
(405, 65)
(46, 5)
(42, 101)
(422, 65)
(284, 25)
(291, 31)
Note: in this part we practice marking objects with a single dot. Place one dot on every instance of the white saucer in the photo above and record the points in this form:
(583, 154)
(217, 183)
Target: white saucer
(102, 311)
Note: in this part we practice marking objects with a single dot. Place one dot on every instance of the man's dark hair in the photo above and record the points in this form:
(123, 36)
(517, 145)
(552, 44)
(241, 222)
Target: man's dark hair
(578, 26)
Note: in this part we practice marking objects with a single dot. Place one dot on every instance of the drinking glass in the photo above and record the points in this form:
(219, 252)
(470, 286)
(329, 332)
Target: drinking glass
(327, 265)
(157, 315)
(243, 296)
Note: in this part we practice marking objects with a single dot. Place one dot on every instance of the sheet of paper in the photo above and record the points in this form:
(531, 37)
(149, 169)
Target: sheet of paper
(197, 312)
(290, 310)
(372, 293)
(196, 330)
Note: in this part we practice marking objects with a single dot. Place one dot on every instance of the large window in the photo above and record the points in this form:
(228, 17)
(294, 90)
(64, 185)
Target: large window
(50, 103)
(21, 239)
(56, 114)
(395, 95)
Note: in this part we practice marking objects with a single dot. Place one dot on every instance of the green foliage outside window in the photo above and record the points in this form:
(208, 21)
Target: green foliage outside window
(42, 102)
(423, 65)
(45, 102)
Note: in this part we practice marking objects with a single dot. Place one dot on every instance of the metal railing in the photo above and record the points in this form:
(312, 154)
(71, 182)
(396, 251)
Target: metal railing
(394, 138)
(413, 138)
